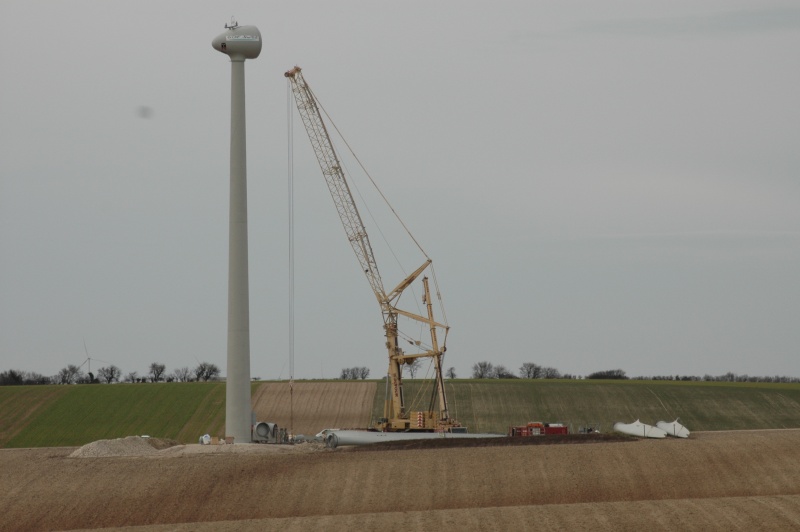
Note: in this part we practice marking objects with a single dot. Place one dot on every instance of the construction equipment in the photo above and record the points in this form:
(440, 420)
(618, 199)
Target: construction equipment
(395, 417)
(536, 428)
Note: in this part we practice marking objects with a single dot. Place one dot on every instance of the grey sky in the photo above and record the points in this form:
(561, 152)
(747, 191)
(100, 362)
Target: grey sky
(600, 185)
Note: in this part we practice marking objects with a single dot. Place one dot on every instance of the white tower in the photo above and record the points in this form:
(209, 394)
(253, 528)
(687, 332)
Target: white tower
(239, 43)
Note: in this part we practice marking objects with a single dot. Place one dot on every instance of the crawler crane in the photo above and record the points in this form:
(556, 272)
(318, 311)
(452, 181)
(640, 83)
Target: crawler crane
(395, 417)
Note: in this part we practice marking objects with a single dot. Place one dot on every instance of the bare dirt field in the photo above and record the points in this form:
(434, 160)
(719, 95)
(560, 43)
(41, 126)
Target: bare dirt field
(316, 405)
(729, 481)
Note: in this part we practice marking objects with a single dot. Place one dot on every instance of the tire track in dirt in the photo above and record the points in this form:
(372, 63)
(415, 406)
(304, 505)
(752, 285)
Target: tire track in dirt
(732, 513)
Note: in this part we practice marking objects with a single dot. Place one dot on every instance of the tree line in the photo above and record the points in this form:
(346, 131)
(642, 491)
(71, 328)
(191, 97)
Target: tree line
(727, 377)
(206, 371)
(354, 373)
(411, 368)
(72, 374)
(530, 370)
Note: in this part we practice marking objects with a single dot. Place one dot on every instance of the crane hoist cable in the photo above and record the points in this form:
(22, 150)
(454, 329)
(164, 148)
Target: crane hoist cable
(365, 204)
(385, 199)
(290, 188)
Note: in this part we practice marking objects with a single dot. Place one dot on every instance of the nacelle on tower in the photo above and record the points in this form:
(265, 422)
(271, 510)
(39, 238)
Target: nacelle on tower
(239, 42)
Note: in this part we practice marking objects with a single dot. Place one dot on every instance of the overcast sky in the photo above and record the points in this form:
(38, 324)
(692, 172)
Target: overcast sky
(600, 185)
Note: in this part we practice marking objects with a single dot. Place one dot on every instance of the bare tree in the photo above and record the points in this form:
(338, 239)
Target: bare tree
(157, 371)
(451, 372)
(609, 374)
(12, 377)
(412, 367)
(109, 373)
(354, 373)
(550, 373)
(69, 375)
(529, 370)
(183, 374)
(132, 377)
(31, 377)
(482, 370)
(501, 372)
(206, 371)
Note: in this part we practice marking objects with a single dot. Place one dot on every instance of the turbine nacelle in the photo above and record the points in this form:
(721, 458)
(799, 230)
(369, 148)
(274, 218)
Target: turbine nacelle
(238, 42)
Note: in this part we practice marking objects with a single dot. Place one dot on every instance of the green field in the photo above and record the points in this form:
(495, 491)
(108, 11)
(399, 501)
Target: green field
(49, 416)
(75, 415)
(493, 405)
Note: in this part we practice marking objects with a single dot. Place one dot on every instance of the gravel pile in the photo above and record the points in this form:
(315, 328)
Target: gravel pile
(130, 446)
(159, 447)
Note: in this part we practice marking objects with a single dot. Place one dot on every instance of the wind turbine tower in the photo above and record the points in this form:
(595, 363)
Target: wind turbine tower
(239, 43)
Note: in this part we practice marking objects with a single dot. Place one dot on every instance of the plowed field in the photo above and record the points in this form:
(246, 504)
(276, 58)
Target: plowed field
(726, 480)
(312, 406)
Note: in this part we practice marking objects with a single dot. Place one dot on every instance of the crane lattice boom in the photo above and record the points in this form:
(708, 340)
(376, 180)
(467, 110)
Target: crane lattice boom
(395, 415)
(334, 177)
